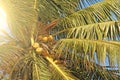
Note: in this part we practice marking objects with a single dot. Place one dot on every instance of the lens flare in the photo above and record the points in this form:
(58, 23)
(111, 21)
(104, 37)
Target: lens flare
(2, 13)
(3, 22)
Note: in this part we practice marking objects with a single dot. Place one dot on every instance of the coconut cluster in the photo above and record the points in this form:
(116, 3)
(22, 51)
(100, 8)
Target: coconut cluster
(39, 49)
(45, 38)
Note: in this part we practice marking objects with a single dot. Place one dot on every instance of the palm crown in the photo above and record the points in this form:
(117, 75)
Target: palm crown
(61, 40)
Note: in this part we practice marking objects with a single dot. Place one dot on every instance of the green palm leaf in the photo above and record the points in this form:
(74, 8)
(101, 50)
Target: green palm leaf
(30, 67)
(9, 54)
(99, 12)
(86, 48)
(62, 73)
(104, 30)
(50, 10)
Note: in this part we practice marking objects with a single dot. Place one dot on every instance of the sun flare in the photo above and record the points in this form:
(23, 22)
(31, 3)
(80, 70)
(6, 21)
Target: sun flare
(2, 12)
(3, 22)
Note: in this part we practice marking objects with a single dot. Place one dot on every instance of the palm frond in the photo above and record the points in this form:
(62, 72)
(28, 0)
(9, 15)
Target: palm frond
(99, 12)
(91, 71)
(62, 73)
(76, 48)
(9, 54)
(30, 67)
(104, 30)
(21, 19)
(52, 9)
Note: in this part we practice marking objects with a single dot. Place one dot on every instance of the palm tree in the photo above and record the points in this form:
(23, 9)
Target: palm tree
(85, 34)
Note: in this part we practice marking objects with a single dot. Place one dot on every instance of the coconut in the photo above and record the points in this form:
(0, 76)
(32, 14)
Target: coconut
(39, 50)
(50, 37)
(35, 45)
(45, 39)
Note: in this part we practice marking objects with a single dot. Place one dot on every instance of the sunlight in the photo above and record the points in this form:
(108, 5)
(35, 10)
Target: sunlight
(3, 22)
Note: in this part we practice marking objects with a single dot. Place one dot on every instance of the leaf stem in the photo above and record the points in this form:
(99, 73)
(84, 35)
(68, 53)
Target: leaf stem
(51, 61)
